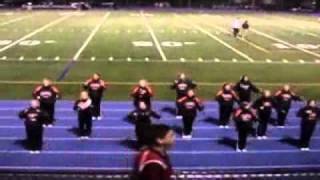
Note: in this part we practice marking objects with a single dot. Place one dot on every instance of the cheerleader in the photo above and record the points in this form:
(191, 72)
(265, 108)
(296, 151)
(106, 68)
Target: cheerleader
(34, 118)
(226, 98)
(84, 108)
(309, 116)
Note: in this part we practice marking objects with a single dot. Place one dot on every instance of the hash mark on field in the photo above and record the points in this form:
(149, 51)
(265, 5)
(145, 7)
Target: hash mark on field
(110, 58)
(57, 58)
(21, 58)
(200, 59)
(154, 37)
(234, 60)
(4, 58)
(268, 60)
(218, 39)
(285, 61)
(146, 59)
(216, 60)
(129, 59)
(93, 58)
(284, 42)
(301, 61)
(90, 37)
(182, 59)
(34, 33)
(39, 58)
(317, 61)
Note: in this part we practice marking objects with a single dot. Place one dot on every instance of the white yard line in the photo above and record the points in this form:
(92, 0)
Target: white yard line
(284, 42)
(15, 20)
(218, 39)
(90, 37)
(154, 37)
(34, 33)
(292, 27)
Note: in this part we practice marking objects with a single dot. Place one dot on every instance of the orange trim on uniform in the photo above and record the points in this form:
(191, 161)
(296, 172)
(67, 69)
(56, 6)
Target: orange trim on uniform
(87, 81)
(55, 89)
(278, 93)
(237, 113)
(182, 99)
(149, 89)
(135, 89)
(219, 93)
(37, 89)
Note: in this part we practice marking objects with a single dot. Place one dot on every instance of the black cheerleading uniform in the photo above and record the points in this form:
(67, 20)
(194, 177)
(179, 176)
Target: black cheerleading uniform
(226, 101)
(244, 119)
(142, 121)
(34, 118)
(309, 117)
(182, 86)
(142, 94)
(84, 108)
(264, 106)
(47, 96)
(189, 108)
(283, 104)
(95, 89)
(245, 89)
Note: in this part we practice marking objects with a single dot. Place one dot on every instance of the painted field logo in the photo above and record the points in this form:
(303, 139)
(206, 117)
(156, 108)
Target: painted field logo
(301, 46)
(164, 44)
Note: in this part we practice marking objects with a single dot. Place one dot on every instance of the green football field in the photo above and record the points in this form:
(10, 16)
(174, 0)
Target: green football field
(125, 46)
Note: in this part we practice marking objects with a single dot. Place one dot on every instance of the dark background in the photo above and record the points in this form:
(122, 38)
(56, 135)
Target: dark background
(258, 4)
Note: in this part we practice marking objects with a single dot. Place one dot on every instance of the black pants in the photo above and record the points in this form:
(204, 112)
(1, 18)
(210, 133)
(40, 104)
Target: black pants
(244, 128)
(50, 109)
(282, 113)
(307, 129)
(142, 132)
(179, 108)
(85, 126)
(188, 120)
(236, 32)
(263, 123)
(245, 98)
(96, 102)
(34, 137)
(137, 101)
(225, 112)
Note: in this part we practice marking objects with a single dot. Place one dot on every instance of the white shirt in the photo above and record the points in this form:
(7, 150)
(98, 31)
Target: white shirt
(236, 24)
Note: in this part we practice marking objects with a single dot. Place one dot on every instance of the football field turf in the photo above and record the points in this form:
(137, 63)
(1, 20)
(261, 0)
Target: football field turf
(125, 46)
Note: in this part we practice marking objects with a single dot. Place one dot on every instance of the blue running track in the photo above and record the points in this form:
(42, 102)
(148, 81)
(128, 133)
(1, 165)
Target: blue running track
(112, 146)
